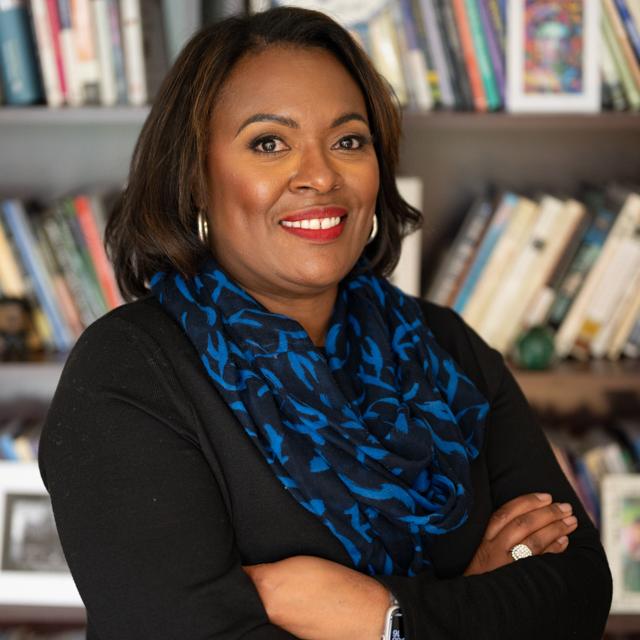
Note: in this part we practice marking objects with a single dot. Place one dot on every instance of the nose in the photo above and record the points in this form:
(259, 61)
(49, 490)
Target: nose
(315, 171)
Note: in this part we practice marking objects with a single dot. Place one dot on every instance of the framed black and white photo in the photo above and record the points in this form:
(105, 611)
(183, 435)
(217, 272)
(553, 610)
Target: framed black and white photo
(33, 569)
(621, 538)
(553, 56)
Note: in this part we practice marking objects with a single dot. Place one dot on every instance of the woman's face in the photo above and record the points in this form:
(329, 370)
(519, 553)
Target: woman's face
(290, 139)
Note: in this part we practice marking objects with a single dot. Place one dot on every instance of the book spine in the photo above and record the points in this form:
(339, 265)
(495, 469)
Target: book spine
(471, 62)
(117, 52)
(66, 35)
(623, 55)
(624, 331)
(482, 56)
(16, 220)
(496, 228)
(11, 280)
(154, 46)
(107, 75)
(434, 81)
(568, 332)
(612, 79)
(131, 21)
(498, 26)
(86, 54)
(630, 27)
(459, 76)
(54, 26)
(46, 53)
(19, 75)
(493, 45)
(434, 40)
(632, 346)
(101, 263)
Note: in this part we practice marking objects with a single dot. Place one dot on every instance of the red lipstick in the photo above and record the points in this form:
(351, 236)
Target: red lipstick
(319, 213)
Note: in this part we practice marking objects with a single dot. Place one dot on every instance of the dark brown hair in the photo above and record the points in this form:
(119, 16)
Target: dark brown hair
(153, 224)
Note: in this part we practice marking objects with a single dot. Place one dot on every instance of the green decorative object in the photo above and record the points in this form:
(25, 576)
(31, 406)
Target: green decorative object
(534, 349)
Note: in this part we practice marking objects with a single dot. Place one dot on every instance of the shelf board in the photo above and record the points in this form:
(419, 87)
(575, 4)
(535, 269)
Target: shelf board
(37, 380)
(605, 120)
(572, 386)
(73, 116)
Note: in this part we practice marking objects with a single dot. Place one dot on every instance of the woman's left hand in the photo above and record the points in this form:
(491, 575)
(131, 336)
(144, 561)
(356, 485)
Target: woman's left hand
(317, 599)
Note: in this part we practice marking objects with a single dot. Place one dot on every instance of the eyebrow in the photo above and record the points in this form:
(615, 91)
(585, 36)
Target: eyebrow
(290, 122)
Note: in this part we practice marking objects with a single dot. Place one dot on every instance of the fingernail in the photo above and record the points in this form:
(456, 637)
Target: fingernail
(543, 496)
(570, 520)
(564, 506)
(562, 540)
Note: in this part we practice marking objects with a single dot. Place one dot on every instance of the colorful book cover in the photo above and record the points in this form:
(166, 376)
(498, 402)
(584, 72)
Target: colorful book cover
(630, 27)
(493, 44)
(481, 49)
(15, 218)
(437, 83)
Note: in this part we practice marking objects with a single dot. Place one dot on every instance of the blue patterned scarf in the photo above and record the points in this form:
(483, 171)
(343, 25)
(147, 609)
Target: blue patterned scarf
(374, 434)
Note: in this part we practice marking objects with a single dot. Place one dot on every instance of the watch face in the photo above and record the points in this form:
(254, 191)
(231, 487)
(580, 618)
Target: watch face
(397, 627)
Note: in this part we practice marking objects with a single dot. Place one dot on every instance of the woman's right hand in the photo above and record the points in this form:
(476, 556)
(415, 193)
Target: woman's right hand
(532, 519)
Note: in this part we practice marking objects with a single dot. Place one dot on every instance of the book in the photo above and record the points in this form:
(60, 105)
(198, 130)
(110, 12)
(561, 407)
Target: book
(458, 259)
(554, 226)
(496, 227)
(12, 283)
(471, 62)
(482, 55)
(614, 20)
(104, 48)
(511, 242)
(15, 218)
(54, 26)
(74, 93)
(611, 78)
(19, 75)
(132, 45)
(47, 53)
(631, 29)
(88, 68)
(496, 53)
(627, 220)
(117, 52)
(626, 326)
(156, 57)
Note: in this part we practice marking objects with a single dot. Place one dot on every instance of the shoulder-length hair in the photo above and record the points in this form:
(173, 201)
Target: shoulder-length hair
(153, 225)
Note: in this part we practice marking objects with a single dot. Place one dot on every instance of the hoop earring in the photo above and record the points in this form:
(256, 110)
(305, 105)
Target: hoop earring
(203, 227)
(374, 230)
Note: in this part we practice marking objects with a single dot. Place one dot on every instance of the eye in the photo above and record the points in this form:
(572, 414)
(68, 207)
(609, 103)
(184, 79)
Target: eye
(268, 144)
(353, 142)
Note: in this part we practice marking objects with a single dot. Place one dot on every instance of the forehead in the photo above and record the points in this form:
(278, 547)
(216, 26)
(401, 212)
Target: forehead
(303, 83)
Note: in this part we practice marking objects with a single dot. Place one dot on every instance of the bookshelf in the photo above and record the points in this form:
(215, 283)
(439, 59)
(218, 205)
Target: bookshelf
(46, 153)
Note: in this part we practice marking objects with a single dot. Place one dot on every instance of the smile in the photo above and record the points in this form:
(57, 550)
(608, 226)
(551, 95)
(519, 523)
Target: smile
(313, 223)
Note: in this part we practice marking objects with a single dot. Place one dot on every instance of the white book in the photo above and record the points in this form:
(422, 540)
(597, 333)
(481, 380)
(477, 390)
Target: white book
(532, 267)
(627, 220)
(102, 26)
(504, 253)
(67, 37)
(623, 332)
(86, 54)
(406, 275)
(46, 53)
(131, 21)
(608, 296)
(623, 314)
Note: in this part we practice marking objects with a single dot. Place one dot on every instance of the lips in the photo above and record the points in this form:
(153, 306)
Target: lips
(320, 212)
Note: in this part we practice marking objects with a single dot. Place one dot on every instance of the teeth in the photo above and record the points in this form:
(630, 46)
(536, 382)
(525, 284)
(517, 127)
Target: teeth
(313, 223)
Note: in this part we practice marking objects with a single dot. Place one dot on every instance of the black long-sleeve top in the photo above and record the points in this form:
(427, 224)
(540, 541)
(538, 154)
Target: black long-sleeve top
(160, 497)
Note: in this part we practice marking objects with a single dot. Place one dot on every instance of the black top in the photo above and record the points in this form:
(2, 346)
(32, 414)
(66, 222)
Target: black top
(160, 497)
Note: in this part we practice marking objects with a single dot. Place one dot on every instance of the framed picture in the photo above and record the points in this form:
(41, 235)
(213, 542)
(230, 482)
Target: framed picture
(621, 538)
(33, 570)
(553, 56)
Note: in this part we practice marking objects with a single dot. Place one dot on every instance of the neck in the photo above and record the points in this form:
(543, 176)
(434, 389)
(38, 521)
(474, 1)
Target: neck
(313, 313)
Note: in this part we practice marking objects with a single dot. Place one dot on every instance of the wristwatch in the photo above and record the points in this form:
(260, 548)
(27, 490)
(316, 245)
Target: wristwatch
(393, 627)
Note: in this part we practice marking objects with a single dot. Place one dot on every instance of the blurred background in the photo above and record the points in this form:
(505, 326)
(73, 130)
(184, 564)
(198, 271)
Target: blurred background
(521, 145)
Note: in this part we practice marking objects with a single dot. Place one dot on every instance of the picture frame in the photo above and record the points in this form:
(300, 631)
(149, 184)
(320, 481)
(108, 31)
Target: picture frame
(33, 570)
(620, 499)
(553, 56)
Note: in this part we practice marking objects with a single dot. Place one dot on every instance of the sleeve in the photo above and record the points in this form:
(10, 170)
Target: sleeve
(551, 596)
(141, 517)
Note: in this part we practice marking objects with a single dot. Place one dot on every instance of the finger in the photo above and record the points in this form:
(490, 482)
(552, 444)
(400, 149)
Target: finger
(558, 546)
(543, 538)
(512, 509)
(525, 524)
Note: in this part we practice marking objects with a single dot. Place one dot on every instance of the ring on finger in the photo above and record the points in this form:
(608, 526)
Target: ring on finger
(520, 551)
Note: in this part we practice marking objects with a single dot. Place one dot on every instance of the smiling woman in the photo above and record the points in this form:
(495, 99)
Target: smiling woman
(273, 441)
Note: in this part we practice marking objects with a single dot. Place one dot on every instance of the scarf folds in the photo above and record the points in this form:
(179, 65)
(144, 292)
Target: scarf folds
(374, 434)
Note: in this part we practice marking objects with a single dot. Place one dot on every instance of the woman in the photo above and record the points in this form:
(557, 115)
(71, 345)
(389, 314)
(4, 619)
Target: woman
(272, 441)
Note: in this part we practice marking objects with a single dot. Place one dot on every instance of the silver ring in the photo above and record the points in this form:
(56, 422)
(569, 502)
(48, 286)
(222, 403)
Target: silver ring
(520, 551)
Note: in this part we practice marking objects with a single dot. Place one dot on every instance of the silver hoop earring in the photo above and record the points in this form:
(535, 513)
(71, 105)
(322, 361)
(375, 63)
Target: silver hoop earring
(374, 230)
(203, 227)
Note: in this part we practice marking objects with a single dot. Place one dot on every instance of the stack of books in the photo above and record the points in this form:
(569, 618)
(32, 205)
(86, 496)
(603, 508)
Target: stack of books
(55, 259)
(572, 265)
(82, 52)
(488, 55)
